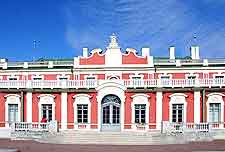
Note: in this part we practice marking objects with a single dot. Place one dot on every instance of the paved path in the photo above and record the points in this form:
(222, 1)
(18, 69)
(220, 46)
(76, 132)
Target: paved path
(32, 146)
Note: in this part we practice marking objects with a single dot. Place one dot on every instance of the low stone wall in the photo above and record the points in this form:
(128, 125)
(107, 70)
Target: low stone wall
(5, 132)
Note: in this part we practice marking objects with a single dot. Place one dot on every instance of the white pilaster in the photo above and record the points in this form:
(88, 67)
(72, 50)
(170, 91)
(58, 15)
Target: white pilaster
(64, 110)
(197, 107)
(159, 98)
(29, 106)
(122, 113)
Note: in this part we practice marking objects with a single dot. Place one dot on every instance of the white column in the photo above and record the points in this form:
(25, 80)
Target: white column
(63, 110)
(197, 107)
(122, 112)
(99, 113)
(158, 110)
(29, 106)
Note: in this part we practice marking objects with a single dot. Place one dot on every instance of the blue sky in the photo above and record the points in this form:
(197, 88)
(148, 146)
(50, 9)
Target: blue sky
(63, 27)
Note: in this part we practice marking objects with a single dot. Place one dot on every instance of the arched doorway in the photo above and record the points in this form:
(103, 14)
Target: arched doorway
(110, 113)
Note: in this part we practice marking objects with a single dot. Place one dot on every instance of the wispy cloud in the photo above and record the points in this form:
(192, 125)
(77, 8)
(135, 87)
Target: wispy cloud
(154, 23)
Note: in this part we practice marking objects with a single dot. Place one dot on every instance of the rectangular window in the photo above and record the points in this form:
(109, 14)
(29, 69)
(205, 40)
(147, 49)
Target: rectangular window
(191, 80)
(90, 78)
(37, 78)
(177, 112)
(63, 78)
(214, 112)
(140, 110)
(13, 112)
(13, 78)
(165, 80)
(47, 111)
(82, 113)
(219, 76)
(219, 79)
(136, 80)
(191, 77)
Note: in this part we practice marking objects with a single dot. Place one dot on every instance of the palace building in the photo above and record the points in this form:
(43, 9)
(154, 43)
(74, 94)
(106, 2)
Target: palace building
(107, 90)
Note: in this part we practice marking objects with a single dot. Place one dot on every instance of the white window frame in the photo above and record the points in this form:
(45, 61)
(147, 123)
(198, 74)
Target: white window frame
(12, 99)
(46, 99)
(63, 76)
(37, 76)
(90, 76)
(114, 76)
(165, 75)
(141, 76)
(216, 98)
(191, 75)
(140, 99)
(82, 99)
(178, 98)
(219, 74)
(13, 76)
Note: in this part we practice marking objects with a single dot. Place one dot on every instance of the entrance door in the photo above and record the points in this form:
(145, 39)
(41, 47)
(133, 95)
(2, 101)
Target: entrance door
(13, 113)
(111, 113)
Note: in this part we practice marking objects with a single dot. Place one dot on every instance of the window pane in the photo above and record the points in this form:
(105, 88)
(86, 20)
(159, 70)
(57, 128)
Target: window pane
(214, 112)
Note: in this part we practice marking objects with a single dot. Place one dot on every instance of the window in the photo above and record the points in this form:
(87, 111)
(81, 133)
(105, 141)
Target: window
(140, 110)
(191, 77)
(12, 78)
(47, 111)
(177, 112)
(63, 78)
(82, 113)
(219, 76)
(90, 78)
(214, 112)
(165, 80)
(113, 78)
(136, 80)
(13, 112)
(37, 78)
(219, 79)
(90, 81)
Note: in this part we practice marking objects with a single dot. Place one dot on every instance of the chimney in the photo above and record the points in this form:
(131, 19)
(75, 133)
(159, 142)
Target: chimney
(85, 52)
(195, 52)
(172, 53)
(145, 52)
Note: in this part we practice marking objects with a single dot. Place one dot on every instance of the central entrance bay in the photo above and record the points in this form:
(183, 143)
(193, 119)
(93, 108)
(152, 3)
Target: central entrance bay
(111, 113)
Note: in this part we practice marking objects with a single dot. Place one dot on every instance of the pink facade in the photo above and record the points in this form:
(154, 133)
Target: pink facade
(113, 91)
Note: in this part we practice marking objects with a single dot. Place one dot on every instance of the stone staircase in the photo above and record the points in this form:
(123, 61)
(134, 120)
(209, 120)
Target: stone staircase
(110, 138)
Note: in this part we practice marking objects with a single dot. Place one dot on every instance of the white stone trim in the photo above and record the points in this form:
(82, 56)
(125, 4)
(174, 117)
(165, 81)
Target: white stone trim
(12, 99)
(165, 75)
(178, 98)
(216, 98)
(13, 76)
(114, 89)
(139, 99)
(191, 75)
(136, 75)
(46, 99)
(90, 76)
(113, 76)
(159, 98)
(29, 106)
(37, 76)
(63, 76)
(82, 99)
(197, 113)
(64, 110)
(219, 74)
